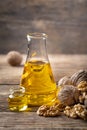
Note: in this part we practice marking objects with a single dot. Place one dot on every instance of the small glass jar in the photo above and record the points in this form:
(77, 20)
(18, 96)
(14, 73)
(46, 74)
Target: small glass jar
(17, 99)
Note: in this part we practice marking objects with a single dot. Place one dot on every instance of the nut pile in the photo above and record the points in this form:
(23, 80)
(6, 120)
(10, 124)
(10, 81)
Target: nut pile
(72, 96)
(79, 110)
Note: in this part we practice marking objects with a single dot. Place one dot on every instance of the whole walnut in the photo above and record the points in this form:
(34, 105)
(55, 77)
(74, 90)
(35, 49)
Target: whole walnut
(64, 81)
(14, 58)
(79, 76)
(68, 95)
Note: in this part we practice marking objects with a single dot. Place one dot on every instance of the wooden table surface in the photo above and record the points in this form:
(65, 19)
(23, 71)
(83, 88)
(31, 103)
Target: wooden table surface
(10, 76)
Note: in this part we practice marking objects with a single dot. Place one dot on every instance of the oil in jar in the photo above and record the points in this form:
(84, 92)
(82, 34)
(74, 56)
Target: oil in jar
(37, 78)
(17, 100)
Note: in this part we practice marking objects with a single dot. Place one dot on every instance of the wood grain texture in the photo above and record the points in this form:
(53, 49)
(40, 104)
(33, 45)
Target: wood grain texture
(65, 22)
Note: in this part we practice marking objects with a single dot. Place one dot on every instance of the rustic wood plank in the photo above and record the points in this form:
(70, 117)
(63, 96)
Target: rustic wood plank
(17, 121)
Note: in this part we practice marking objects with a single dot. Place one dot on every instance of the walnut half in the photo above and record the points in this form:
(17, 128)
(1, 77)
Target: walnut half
(50, 111)
(76, 111)
(82, 86)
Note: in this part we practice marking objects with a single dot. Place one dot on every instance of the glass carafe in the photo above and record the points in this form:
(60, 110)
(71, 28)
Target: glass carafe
(37, 77)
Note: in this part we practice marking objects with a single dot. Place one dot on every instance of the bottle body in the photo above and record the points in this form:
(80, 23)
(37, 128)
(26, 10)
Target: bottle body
(38, 80)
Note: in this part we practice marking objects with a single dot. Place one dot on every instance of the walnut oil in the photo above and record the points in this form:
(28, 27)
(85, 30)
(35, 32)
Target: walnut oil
(17, 100)
(37, 78)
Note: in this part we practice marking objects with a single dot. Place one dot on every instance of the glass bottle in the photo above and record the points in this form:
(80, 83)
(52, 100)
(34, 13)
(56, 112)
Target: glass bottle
(37, 77)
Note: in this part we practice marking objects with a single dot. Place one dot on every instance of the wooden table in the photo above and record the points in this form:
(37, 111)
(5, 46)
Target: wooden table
(10, 76)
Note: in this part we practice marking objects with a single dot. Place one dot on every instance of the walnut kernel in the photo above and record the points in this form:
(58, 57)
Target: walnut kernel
(81, 111)
(50, 111)
(70, 112)
(82, 97)
(82, 86)
(76, 111)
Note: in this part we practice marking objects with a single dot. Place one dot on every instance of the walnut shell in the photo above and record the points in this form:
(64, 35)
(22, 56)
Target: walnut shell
(79, 76)
(68, 95)
(64, 81)
(14, 58)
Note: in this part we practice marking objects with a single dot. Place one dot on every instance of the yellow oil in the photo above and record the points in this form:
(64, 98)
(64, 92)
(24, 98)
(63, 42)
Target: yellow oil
(17, 101)
(37, 78)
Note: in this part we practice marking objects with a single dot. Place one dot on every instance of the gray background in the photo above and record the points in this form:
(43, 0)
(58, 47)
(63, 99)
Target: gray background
(65, 22)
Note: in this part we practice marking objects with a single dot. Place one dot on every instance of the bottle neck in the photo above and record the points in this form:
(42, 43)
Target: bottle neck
(37, 48)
